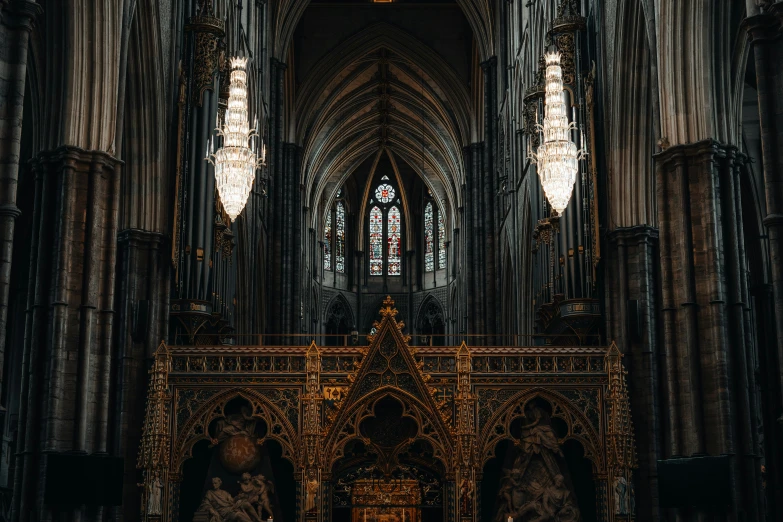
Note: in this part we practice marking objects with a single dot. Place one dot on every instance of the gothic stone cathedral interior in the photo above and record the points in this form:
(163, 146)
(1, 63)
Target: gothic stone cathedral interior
(391, 260)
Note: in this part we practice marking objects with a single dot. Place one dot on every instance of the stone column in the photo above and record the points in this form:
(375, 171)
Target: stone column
(707, 375)
(17, 22)
(142, 312)
(67, 351)
(633, 257)
(766, 34)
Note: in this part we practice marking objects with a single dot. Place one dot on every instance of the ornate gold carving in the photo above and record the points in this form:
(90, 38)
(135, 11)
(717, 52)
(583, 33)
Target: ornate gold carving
(207, 30)
(621, 445)
(155, 439)
(565, 44)
(620, 441)
(314, 413)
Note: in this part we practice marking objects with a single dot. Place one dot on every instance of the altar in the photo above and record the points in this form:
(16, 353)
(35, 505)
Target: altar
(393, 501)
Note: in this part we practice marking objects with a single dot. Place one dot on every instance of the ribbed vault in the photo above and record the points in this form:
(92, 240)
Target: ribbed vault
(382, 88)
(478, 13)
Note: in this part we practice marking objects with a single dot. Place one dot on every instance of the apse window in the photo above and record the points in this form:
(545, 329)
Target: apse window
(385, 232)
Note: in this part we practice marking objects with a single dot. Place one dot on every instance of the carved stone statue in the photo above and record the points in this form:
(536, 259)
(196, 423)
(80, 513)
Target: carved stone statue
(154, 497)
(534, 489)
(264, 488)
(466, 497)
(311, 486)
(220, 506)
(620, 496)
(242, 423)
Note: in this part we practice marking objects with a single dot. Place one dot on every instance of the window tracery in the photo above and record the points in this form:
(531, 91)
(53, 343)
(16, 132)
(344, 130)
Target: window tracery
(384, 193)
(385, 231)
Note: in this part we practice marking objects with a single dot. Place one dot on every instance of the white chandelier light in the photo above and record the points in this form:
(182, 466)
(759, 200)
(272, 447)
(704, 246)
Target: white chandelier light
(557, 157)
(237, 159)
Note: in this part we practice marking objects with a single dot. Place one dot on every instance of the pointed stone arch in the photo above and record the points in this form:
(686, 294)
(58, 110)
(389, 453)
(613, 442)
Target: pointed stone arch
(431, 318)
(581, 428)
(338, 317)
(389, 369)
(196, 428)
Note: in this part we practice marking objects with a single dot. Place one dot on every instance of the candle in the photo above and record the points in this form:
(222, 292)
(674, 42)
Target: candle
(510, 519)
(403, 514)
(365, 514)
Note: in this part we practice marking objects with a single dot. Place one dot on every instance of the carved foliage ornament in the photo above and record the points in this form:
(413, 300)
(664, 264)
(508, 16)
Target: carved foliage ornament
(207, 31)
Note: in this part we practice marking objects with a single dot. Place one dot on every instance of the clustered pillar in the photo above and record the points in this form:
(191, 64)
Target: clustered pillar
(17, 22)
(707, 366)
(766, 35)
(67, 352)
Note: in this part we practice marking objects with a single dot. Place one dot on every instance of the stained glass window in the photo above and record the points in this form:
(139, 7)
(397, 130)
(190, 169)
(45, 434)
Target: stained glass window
(429, 237)
(441, 241)
(395, 241)
(376, 241)
(328, 242)
(339, 245)
(384, 193)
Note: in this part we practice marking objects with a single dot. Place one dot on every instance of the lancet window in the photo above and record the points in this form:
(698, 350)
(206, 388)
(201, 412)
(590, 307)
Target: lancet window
(334, 236)
(434, 237)
(385, 231)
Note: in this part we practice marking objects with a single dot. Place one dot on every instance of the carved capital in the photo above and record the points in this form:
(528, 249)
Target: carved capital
(634, 235)
(766, 26)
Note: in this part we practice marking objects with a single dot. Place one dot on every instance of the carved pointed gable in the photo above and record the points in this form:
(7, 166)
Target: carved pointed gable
(389, 363)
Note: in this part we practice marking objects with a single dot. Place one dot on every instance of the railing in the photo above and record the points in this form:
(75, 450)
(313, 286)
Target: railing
(347, 340)
(508, 360)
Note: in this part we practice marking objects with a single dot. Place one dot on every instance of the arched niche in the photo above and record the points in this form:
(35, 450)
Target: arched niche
(431, 322)
(338, 320)
(538, 456)
(390, 449)
(427, 428)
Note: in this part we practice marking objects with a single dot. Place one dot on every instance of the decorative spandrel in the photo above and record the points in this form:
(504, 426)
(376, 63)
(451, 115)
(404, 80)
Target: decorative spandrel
(388, 366)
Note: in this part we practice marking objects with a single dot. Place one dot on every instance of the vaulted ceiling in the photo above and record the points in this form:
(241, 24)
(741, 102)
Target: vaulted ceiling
(382, 88)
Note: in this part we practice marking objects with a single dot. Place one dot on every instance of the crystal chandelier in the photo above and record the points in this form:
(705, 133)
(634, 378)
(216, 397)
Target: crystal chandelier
(557, 157)
(238, 158)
